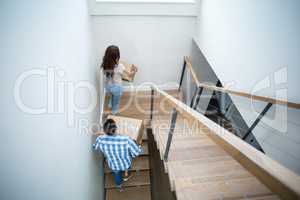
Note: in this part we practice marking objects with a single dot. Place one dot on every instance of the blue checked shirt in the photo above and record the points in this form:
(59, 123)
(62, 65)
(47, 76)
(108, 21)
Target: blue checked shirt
(118, 150)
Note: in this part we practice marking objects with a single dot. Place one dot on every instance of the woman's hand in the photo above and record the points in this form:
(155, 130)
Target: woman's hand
(132, 71)
(134, 68)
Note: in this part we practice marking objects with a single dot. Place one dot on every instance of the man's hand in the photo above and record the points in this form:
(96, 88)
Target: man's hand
(139, 144)
(99, 133)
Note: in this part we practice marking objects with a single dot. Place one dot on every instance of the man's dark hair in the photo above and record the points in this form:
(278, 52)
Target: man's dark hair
(110, 127)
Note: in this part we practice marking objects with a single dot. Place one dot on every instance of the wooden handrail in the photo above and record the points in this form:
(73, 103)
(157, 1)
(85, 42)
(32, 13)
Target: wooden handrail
(278, 178)
(238, 93)
(190, 67)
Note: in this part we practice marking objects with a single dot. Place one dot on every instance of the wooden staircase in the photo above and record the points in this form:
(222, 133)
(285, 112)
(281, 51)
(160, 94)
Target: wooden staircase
(198, 168)
(206, 161)
(201, 164)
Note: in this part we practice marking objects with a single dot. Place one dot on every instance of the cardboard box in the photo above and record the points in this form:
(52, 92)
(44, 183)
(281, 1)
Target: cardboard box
(128, 67)
(131, 127)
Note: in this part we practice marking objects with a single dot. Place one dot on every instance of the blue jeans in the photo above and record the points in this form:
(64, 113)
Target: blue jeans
(116, 92)
(118, 177)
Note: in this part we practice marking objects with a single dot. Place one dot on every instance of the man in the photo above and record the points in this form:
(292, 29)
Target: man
(118, 151)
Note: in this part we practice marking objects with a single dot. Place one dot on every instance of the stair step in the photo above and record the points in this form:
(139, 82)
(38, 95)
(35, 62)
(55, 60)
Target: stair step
(140, 163)
(143, 97)
(130, 193)
(145, 148)
(137, 104)
(229, 188)
(139, 178)
(268, 197)
(145, 137)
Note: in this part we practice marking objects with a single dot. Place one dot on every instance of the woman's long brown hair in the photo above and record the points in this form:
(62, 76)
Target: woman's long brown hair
(110, 59)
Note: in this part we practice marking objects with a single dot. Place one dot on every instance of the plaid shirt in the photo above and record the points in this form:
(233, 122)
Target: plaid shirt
(118, 151)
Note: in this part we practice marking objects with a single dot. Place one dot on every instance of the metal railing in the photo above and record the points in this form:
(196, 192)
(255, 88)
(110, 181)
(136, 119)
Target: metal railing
(281, 180)
(196, 99)
(172, 124)
(187, 62)
(200, 86)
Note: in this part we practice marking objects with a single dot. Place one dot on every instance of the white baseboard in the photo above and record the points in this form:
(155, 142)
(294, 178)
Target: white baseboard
(102, 101)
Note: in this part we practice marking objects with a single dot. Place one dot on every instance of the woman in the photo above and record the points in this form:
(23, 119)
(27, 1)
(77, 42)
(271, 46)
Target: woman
(113, 71)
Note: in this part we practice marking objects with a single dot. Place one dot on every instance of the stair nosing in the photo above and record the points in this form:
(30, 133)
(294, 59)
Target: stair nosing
(127, 186)
(138, 179)
(132, 170)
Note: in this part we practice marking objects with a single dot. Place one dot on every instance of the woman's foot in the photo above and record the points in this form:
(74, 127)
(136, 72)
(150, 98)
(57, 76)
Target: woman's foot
(110, 102)
(114, 112)
(109, 105)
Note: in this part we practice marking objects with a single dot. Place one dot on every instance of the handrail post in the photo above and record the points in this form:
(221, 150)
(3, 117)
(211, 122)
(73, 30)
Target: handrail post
(195, 102)
(151, 104)
(261, 115)
(170, 136)
(182, 74)
(193, 98)
(200, 90)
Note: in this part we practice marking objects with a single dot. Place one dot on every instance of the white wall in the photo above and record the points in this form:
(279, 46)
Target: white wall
(246, 43)
(42, 156)
(156, 44)
(143, 8)
(252, 38)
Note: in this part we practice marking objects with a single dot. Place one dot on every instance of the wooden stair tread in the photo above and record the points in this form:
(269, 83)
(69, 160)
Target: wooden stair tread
(145, 137)
(162, 125)
(144, 96)
(141, 101)
(185, 142)
(208, 169)
(137, 104)
(221, 189)
(183, 136)
(140, 178)
(127, 94)
(145, 148)
(196, 153)
(189, 146)
(264, 197)
(138, 164)
(130, 193)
